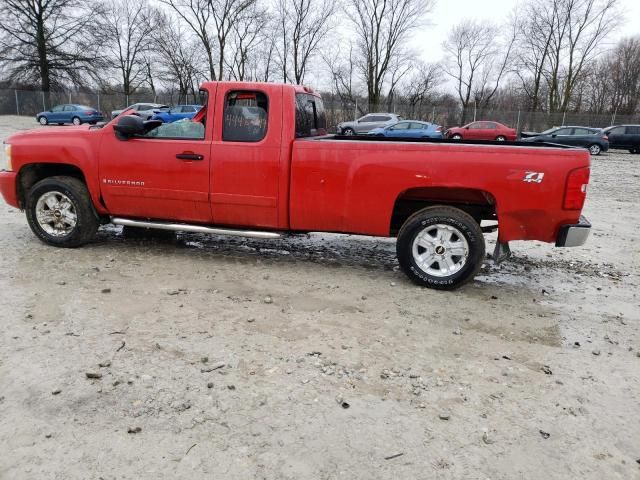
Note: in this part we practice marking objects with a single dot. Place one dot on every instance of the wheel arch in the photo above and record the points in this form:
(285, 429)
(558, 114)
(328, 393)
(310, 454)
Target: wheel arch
(478, 203)
(32, 173)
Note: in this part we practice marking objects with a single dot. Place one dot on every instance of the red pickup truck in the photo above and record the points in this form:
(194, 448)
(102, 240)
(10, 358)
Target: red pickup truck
(256, 161)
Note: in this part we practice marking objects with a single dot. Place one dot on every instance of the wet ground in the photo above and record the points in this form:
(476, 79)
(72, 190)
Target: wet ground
(314, 357)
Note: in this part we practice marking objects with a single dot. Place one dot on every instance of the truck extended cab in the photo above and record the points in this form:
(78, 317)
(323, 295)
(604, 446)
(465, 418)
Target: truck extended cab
(256, 161)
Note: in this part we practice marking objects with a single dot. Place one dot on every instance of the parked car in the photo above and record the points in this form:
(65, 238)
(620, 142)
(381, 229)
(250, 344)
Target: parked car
(143, 110)
(70, 113)
(624, 137)
(587, 137)
(178, 112)
(409, 129)
(483, 130)
(367, 123)
(283, 174)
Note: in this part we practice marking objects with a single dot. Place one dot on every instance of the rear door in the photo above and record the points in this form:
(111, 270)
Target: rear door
(583, 137)
(365, 124)
(632, 136)
(68, 113)
(245, 168)
(381, 121)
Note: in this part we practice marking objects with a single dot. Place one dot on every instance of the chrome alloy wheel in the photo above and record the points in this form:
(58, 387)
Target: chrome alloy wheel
(440, 250)
(56, 214)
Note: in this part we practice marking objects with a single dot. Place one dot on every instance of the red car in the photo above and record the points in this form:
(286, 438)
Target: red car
(483, 131)
(256, 162)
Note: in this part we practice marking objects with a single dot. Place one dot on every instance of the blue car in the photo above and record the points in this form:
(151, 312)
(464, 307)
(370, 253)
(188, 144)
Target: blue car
(409, 129)
(178, 112)
(70, 113)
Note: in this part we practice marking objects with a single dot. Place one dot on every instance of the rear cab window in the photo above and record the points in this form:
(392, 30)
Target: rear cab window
(245, 116)
(311, 120)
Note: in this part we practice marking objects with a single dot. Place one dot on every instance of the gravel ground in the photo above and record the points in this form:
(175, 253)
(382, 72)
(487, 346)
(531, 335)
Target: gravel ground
(313, 357)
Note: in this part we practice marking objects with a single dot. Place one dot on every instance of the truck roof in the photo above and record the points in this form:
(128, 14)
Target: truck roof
(249, 85)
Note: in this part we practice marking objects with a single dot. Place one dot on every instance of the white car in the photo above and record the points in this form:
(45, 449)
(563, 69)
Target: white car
(367, 123)
(144, 110)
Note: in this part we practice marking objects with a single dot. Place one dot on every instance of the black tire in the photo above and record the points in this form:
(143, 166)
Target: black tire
(427, 218)
(456, 136)
(42, 120)
(501, 138)
(87, 222)
(76, 121)
(348, 131)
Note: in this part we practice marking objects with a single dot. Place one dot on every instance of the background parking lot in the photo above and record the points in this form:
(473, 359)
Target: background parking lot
(314, 357)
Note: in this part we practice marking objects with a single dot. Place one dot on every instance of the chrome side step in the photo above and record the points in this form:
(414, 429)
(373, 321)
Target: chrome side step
(184, 227)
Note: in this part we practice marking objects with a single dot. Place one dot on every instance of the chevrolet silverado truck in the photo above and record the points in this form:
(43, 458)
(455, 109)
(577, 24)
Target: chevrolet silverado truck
(256, 161)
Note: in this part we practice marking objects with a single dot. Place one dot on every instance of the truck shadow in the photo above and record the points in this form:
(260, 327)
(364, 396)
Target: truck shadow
(322, 248)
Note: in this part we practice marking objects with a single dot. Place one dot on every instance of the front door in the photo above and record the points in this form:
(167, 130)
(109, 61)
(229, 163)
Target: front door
(163, 174)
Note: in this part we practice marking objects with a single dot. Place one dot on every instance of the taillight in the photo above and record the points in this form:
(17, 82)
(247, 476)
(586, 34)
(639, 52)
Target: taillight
(604, 137)
(88, 112)
(438, 129)
(576, 190)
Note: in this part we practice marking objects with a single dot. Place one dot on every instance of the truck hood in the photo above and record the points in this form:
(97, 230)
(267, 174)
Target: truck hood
(48, 132)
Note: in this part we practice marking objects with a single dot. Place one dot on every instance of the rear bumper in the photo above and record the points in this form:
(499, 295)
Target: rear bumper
(8, 187)
(574, 235)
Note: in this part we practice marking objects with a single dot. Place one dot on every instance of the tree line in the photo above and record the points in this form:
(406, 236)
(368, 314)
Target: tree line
(549, 56)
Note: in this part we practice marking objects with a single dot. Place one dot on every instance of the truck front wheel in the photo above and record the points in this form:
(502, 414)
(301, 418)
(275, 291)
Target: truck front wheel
(60, 213)
(440, 247)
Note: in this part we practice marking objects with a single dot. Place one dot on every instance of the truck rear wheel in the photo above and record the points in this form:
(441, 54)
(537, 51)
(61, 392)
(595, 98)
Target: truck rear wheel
(60, 213)
(440, 247)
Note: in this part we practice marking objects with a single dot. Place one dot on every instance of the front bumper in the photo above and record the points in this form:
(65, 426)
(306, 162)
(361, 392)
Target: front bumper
(8, 187)
(574, 235)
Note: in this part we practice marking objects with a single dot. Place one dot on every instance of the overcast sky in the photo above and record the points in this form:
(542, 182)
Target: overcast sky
(448, 13)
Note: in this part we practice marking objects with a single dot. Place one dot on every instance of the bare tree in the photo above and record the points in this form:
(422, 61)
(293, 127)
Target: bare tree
(179, 58)
(49, 40)
(128, 25)
(303, 24)
(472, 49)
(247, 32)
(624, 74)
(343, 71)
(421, 85)
(226, 15)
(382, 28)
(198, 16)
(559, 39)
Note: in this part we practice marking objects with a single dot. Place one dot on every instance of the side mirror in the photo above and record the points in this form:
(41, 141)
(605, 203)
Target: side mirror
(554, 135)
(128, 126)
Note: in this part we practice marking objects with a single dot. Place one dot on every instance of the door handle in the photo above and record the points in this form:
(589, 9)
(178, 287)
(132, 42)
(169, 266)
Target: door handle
(189, 156)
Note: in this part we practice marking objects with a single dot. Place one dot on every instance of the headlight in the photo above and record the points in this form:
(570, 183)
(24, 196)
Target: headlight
(7, 155)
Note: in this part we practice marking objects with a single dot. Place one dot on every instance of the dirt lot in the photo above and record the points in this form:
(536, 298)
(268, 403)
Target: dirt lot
(228, 358)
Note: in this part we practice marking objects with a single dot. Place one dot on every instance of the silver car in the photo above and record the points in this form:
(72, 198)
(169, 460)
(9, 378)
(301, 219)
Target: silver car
(367, 123)
(144, 110)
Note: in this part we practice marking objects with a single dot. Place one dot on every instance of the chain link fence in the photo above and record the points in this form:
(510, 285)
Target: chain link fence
(31, 102)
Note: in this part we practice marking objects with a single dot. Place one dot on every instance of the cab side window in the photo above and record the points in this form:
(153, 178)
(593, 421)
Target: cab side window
(245, 116)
